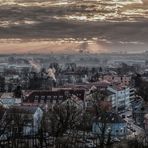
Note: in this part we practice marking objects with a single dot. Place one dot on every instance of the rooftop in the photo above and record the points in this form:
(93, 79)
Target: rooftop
(6, 95)
(22, 110)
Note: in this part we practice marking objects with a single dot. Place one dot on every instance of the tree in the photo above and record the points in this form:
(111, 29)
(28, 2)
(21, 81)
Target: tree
(135, 143)
(64, 117)
(18, 92)
(11, 127)
(3, 123)
(42, 133)
(101, 115)
(137, 80)
(124, 69)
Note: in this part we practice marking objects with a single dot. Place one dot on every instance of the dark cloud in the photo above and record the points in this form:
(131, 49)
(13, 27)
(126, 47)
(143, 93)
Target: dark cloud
(124, 31)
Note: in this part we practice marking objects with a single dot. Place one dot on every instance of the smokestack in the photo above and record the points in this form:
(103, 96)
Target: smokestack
(51, 73)
(34, 65)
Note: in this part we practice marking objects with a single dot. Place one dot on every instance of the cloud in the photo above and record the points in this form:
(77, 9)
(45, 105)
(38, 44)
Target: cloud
(38, 20)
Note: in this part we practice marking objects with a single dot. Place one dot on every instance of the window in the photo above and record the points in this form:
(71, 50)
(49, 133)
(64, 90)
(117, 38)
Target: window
(60, 97)
(42, 97)
(54, 101)
(36, 97)
(48, 97)
(47, 101)
(122, 102)
(42, 101)
(55, 97)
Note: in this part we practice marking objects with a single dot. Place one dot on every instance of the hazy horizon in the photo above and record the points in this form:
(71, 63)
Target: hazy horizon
(73, 26)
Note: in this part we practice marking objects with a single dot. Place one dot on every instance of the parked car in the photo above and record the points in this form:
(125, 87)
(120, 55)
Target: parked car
(90, 145)
(129, 116)
(116, 139)
(89, 141)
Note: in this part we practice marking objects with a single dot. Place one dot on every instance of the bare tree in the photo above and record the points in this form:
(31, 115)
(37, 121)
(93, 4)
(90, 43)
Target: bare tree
(3, 122)
(13, 128)
(104, 133)
(64, 118)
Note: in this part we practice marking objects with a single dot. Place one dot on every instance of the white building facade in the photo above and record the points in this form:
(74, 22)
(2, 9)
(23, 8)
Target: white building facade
(121, 98)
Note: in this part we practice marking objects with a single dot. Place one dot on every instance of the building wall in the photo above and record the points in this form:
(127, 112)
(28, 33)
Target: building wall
(37, 117)
(121, 99)
(112, 99)
(120, 79)
(32, 127)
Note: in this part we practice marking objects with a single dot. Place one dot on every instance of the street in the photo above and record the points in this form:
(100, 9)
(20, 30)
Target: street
(133, 129)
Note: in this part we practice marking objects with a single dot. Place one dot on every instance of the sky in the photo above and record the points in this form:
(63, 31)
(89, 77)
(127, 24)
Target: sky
(72, 26)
